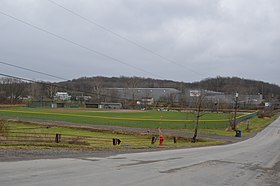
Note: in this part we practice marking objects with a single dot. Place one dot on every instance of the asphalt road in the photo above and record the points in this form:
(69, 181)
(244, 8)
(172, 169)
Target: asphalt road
(255, 161)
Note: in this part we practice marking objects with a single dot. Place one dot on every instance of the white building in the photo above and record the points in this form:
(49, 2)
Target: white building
(63, 96)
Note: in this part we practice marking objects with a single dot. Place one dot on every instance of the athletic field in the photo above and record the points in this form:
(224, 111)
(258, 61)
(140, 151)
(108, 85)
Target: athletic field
(126, 118)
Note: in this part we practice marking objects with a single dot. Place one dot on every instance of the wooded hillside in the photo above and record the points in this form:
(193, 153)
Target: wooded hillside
(228, 85)
(13, 90)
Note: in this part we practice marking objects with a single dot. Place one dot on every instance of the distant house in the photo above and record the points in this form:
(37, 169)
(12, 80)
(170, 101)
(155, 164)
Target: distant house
(146, 101)
(267, 104)
(221, 97)
(63, 96)
(230, 99)
(84, 98)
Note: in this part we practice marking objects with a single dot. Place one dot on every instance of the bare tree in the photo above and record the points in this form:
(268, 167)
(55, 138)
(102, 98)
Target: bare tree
(230, 117)
(132, 84)
(51, 91)
(98, 87)
(112, 95)
(37, 91)
(147, 94)
(3, 97)
(199, 104)
(14, 89)
(171, 99)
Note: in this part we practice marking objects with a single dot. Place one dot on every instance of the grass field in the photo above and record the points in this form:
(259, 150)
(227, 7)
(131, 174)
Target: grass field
(23, 135)
(139, 119)
(256, 125)
(29, 136)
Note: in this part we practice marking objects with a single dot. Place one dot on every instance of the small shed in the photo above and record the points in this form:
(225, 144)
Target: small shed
(110, 105)
(91, 105)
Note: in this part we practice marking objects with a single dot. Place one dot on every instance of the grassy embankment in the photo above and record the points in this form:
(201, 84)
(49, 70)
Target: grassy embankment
(29, 136)
(148, 119)
(256, 125)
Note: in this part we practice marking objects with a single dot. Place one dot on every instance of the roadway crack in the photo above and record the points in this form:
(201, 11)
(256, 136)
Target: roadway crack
(118, 158)
(141, 162)
(202, 164)
(87, 159)
(270, 176)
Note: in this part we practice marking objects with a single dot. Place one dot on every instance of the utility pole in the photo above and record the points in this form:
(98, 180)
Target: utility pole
(235, 111)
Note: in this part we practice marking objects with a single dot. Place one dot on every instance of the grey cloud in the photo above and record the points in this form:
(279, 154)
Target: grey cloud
(214, 37)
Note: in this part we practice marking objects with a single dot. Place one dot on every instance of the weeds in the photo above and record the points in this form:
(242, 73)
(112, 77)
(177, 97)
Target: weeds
(3, 129)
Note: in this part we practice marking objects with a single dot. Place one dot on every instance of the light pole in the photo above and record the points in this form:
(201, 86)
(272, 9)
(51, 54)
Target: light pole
(235, 110)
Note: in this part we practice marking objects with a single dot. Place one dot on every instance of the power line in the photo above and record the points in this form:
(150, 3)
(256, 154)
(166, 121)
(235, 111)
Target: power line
(79, 45)
(30, 70)
(122, 37)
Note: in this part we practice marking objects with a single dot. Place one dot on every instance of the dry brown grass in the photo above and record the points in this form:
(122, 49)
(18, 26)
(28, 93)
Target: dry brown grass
(3, 129)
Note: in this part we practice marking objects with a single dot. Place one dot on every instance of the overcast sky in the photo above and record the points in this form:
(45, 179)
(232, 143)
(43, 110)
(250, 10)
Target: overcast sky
(197, 38)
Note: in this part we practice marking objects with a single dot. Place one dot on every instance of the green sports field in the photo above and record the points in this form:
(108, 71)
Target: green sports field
(126, 118)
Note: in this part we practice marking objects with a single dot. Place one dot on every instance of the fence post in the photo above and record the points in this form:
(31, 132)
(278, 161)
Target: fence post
(175, 139)
(57, 138)
(116, 141)
(154, 139)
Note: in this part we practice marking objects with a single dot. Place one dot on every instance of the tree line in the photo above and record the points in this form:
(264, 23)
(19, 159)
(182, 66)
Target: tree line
(15, 91)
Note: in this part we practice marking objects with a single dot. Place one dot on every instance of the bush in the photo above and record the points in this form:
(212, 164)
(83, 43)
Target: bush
(265, 113)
